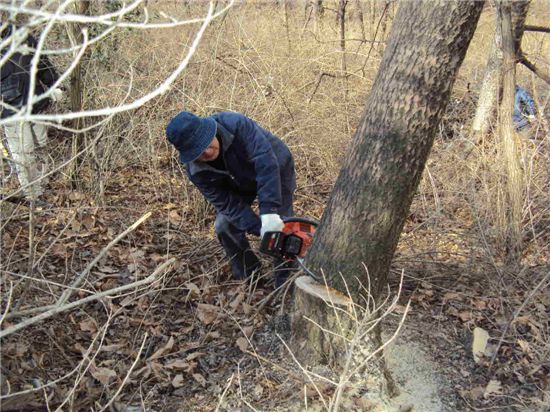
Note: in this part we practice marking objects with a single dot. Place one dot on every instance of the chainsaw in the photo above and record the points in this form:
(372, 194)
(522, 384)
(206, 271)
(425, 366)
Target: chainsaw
(292, 242)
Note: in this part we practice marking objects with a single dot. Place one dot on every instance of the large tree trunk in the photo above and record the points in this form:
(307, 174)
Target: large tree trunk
(489, 87)
(372, 195)
(511, 146)
(488, 93)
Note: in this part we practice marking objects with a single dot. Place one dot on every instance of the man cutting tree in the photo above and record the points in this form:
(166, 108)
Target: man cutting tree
(233, 161)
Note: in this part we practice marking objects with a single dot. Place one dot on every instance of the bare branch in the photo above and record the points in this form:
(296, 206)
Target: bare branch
(523, 60)
(67, 294)
(541, 29)
(107, 19)
(25, 115)
(59, 309)
(125, 380)
(8, 304)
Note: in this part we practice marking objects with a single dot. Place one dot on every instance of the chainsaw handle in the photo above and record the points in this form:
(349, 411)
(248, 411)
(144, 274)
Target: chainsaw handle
(266, 245)
(300, 220)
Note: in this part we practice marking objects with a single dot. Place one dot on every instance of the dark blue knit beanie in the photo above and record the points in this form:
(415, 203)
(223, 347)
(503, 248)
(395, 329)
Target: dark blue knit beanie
(190, 134)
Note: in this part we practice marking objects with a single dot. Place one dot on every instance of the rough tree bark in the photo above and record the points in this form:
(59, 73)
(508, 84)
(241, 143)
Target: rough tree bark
(75, 33)
(489, 88)
(488, 92)
(318, 8)
(372, 195)
(511, 146)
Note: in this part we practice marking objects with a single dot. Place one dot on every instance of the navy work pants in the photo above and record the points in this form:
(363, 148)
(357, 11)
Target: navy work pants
(243, 260)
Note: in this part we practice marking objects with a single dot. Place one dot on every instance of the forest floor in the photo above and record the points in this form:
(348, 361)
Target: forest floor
(197, 340)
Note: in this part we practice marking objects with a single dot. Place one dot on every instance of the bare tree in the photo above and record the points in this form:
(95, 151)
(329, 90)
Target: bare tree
(360, 18)
(76, 99)
(45, 17)
(511, 146)
(366, 211)
(488, 93)
(38, 16)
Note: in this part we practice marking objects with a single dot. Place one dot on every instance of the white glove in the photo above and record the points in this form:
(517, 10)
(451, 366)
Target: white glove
(271, 222)
(57, 95)
(531, 117)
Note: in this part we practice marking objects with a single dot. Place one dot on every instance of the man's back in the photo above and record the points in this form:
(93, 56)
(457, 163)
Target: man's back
(16, 77)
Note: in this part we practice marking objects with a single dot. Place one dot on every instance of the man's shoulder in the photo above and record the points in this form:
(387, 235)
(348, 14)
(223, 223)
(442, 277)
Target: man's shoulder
(228, 118)
(520, 91)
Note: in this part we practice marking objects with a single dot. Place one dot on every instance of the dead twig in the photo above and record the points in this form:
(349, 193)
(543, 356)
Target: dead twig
(541, 29)
(68, 293)
(125, 380)
(85, 358)
(374, 38)
(59, 309)
(516, 314)
(65, 296)
(523, 60)
(8, 304)
(224, 392)
(318, 83)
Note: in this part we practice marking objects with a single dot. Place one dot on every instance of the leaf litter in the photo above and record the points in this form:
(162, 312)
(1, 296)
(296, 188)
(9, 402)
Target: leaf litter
(204, 334)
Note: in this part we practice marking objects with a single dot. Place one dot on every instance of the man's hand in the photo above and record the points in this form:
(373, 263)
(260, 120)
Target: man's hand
(271, 222)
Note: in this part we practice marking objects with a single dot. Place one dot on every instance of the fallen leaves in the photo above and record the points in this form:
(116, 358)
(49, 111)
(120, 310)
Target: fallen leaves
(174, 218)
(177, 364)
(479, 343)
(242, 344)
(200, 379)
(494, 387)
(207, 313)
(178, 381)
(17, 349)
(194, 291)
(165, 349)
(88, 325)
(112, 348)
(103, 375)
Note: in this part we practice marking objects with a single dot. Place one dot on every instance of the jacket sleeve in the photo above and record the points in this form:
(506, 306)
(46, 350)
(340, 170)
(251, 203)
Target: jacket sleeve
(529, 104)
(260, 153)
(46, 73)
(234, 207)
(524, 102)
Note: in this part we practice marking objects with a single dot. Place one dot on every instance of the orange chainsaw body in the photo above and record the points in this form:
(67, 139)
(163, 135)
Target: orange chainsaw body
(292, 242)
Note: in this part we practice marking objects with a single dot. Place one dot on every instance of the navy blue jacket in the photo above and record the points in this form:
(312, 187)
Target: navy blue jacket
(15, 78)
(523, 106)
(255, 162)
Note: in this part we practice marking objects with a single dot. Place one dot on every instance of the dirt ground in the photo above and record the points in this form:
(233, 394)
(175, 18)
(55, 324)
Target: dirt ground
(196, 340)
(200, 340)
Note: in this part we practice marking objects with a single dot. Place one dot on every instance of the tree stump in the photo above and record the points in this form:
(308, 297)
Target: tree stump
(322, 322)
(325, 325)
